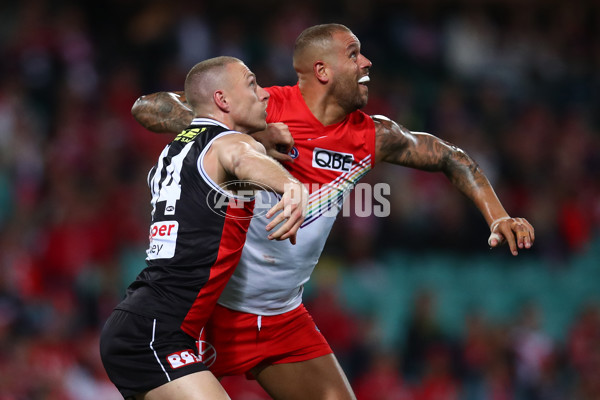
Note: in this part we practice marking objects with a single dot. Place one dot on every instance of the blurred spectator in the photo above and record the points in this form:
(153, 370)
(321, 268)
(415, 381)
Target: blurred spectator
(533, 350)
(476, 355)
(425, 342)
(438, 381)
(584, 352)
(382, 380)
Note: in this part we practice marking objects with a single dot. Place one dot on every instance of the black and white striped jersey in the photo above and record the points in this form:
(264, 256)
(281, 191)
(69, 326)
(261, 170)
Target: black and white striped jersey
(197, 233)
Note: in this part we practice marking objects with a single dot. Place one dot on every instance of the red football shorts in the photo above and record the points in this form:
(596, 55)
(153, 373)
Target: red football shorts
(233, 342)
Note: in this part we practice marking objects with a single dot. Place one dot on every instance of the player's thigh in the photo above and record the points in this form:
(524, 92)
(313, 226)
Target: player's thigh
(196, 386)
(321, 378)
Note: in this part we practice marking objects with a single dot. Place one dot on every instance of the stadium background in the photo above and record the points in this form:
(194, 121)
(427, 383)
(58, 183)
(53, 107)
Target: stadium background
(415, 305)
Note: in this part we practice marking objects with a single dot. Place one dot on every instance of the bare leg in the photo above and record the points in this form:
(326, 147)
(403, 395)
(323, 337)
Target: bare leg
(321, 378)
(197, 386)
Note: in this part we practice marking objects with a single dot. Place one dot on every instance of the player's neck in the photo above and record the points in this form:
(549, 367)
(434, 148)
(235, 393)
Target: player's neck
(323, 106)
(221, 117)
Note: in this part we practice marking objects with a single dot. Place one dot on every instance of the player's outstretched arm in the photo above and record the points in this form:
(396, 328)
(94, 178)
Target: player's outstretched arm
(245, 159)
(397, 145)
(168, 112)
(163, 112)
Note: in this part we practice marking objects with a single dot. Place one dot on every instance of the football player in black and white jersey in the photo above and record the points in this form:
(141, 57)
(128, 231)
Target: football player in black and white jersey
(332, 81)
(200, 217)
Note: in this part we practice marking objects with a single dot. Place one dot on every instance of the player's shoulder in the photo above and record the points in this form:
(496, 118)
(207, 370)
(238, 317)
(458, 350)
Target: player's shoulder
(236, 142)
(381, 119)
(384, 124)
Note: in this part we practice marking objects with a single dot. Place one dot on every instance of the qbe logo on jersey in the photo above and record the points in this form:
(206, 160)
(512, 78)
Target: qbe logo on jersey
(332, 160)
(163, 236)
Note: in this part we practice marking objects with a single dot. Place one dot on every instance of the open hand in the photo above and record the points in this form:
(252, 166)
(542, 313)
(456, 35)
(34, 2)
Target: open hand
(292, 209)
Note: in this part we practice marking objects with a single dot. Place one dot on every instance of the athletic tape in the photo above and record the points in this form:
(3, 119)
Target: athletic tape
(494, 236)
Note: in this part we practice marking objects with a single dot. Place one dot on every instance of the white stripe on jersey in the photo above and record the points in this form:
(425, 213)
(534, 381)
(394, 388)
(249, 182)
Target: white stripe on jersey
(169, 189)
(207, 178)
(154, 178)
(208, 121)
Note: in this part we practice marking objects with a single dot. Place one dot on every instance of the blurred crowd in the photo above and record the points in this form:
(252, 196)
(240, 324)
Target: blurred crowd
(516, 84)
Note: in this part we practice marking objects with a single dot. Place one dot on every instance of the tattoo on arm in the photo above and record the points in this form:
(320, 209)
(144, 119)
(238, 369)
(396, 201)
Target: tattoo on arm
(397, 145)
(162, 112)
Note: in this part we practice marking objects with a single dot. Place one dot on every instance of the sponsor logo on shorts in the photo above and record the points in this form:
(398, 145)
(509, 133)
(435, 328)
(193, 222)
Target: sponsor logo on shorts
(207, 352)
(183, 358)
(332, 160)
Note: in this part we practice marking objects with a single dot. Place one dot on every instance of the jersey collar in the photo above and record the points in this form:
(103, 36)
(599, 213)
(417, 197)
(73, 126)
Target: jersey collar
(208, 121)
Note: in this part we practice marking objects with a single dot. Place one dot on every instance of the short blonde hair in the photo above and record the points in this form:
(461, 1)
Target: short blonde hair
(199, 80)
(317, 35)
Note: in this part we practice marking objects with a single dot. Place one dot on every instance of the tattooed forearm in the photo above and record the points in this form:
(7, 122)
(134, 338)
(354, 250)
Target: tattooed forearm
(162, 112)
(466, 176)
(462, 170)
(397, 145)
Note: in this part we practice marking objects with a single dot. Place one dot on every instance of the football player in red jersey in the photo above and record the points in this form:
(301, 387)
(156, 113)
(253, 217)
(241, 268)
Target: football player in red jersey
(332, 87)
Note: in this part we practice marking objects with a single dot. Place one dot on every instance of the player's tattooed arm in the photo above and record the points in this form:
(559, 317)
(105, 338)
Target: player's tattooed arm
(168, 112)
(397, 145)
(163, 112)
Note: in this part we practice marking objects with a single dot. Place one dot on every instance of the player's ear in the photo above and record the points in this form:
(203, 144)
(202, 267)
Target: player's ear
(321, 71)
(221, 100)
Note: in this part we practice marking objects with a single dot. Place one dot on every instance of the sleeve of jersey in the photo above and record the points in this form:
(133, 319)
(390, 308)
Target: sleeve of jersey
(274, 105)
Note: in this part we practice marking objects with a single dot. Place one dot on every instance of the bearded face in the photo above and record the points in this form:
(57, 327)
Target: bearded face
(351, 71)
(351, 94)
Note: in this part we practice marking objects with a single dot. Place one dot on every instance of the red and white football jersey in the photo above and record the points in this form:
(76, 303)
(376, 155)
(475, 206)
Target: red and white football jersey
(329, 160)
